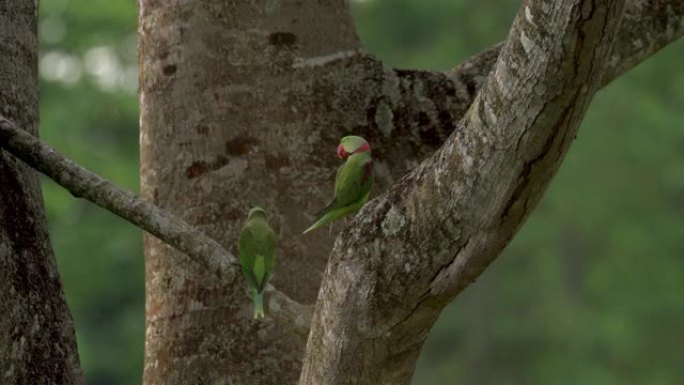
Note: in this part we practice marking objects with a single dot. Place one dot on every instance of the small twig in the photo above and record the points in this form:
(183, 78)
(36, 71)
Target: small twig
(83, 183)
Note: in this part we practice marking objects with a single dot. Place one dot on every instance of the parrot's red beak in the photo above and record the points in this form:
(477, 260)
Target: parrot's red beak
(341, 153)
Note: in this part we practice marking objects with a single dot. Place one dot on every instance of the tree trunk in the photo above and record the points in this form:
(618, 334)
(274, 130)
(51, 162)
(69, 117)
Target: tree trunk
(37, 340)
(228, 121)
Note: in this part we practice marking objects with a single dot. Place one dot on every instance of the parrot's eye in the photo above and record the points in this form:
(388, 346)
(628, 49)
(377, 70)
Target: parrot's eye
(341, 153)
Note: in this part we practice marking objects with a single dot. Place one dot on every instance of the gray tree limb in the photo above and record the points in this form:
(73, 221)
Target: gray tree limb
(83, 183)
(415, 247)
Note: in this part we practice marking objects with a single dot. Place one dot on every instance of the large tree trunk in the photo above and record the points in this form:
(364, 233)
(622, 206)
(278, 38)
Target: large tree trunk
(228, 122)
(37, 340)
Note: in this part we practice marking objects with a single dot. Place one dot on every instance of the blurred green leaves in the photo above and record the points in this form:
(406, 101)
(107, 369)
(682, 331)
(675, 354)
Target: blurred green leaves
(89, 112)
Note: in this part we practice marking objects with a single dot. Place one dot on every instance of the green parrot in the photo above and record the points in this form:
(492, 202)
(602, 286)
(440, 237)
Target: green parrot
(257, 251)
(352, 184)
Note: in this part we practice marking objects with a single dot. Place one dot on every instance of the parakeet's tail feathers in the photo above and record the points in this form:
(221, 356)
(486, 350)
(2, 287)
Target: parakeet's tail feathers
(258, 304)
(319, 223)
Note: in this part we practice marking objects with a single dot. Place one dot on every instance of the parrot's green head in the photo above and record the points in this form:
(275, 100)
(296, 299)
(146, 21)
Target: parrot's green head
(255, 212)
(350, 145)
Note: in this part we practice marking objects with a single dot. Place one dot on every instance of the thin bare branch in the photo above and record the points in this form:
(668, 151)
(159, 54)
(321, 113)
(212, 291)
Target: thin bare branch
(83, 183)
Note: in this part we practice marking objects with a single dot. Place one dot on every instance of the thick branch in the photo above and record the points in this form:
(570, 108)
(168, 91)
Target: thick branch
(83, 183)
(416, 246)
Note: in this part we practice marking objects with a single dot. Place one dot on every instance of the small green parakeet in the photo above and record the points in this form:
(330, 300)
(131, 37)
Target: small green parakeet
(352, 184)
(257, 251)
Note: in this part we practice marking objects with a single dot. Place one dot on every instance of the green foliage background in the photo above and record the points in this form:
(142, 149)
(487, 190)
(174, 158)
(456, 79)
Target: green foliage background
(589, 292)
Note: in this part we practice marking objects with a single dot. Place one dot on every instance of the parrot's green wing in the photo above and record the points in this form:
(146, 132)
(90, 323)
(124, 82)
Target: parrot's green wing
(351, 180)
(333, 203)
(269, 255)
(352, 189)
(246, 246)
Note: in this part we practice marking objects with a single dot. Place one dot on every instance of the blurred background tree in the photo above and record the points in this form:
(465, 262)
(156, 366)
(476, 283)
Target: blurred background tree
(589, 292)
(89, 111)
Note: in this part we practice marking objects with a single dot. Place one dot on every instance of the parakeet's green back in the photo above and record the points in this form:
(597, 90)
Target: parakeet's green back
(257, 248)
(354, 180)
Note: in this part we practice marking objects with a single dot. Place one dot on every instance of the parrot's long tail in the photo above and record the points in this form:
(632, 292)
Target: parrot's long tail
(319, 223)
(258, 304)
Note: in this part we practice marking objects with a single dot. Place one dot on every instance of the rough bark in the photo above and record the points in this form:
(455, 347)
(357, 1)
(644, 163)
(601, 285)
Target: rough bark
(37, 340)
(418, 245)
(226, 123)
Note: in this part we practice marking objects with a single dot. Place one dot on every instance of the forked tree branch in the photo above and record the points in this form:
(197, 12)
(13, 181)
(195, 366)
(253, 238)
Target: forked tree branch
(415, 247)
(83, 183)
